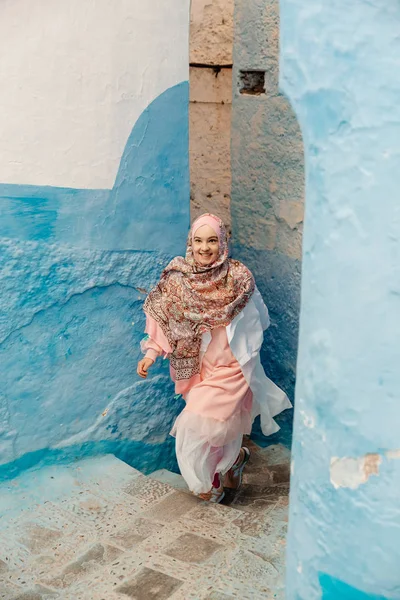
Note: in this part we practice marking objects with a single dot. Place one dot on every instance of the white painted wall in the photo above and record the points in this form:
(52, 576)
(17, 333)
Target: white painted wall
(75, 76)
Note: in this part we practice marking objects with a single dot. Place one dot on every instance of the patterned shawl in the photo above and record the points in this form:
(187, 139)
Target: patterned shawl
(191, 299)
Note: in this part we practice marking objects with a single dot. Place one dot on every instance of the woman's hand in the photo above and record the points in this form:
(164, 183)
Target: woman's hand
(143, 367)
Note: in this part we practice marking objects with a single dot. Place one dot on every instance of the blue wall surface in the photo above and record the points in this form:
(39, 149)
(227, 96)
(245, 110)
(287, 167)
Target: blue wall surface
(340, 68)
(75, 266)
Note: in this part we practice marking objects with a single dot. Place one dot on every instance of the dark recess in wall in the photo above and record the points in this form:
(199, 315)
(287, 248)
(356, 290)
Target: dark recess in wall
(252, 82)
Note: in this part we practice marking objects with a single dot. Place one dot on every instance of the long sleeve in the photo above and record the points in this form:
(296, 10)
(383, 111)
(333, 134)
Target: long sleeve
(156, 343)
(153, 350)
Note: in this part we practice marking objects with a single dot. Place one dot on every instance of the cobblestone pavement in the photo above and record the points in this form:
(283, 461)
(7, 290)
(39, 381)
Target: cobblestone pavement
(99, 530)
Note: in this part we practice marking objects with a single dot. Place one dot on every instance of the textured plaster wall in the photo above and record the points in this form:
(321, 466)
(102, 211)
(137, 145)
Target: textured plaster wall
(94, 69)
(268, 188)
(343, 78)
(94, 200)
(211, 38)
(211, 29)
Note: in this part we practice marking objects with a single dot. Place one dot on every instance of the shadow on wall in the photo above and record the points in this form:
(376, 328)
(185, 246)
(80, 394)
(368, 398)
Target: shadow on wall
(75, 268)
(268, 191)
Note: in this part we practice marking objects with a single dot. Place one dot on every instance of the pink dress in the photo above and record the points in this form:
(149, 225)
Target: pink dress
(218, 410)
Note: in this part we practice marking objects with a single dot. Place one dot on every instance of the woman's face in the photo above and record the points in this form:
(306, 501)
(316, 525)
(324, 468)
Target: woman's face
(205, 246)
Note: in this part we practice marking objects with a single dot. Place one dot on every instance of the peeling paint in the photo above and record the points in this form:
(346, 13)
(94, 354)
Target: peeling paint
(393, 454)
(308, 420)
(353, 472)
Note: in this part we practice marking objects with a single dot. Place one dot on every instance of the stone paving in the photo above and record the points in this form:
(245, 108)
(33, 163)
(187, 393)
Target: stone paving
(99, 530)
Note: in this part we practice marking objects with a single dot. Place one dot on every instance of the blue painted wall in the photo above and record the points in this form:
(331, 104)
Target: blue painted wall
(75, 266)
(340, 68)
(267, 192)
(150, 192)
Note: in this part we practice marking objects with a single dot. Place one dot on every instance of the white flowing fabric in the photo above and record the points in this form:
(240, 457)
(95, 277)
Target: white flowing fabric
(198, 458)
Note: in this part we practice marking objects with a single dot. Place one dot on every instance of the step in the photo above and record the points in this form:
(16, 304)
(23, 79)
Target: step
(173, 479)
(53, 482)
(267, 466)
(99, 529)
(276, 454)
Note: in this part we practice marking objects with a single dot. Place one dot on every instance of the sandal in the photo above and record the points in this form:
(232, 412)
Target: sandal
(233, 478)
(215, 495)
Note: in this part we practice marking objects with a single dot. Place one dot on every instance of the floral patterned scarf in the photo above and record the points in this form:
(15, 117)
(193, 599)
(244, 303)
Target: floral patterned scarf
(191, 299)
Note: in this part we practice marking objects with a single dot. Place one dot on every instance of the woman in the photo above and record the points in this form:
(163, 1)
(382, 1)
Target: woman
(207, 316)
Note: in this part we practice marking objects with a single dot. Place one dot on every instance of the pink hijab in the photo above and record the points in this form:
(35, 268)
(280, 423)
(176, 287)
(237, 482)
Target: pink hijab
(191, 299)
(207, 219)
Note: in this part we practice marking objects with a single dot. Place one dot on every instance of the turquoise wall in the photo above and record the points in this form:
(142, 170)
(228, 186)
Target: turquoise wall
(75, 266)
(340, 68)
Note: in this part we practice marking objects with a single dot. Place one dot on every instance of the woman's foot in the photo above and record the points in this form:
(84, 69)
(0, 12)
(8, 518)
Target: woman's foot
(233, 478)
(216, 494)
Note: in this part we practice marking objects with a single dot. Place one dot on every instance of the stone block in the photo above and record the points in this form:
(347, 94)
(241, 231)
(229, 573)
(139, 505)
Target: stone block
(211, 85)
(14, 557)
(268, 475)
(150, 585)
(192, 548)
(172, 507)
(210, 167)
(93, 559)
(276, 454)
(252, 571)
(217, 516)
(252, 524)
(119, 516)
(173, 479)
(148, 491)
(254, 498)
(38, 592)
(38, 538)
(86, 507)
(134, 533)
(211, 31)
(8, 590)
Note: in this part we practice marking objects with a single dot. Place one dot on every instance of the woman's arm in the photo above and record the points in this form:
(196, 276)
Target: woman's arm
(152, 347)
(153, 351)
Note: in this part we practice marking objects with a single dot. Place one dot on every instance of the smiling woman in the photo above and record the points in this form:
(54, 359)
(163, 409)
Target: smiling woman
(205, 245)
(207, 316)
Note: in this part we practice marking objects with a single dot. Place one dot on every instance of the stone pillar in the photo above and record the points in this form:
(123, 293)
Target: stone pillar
(340, 66)
(210, 106)
(267, 182)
